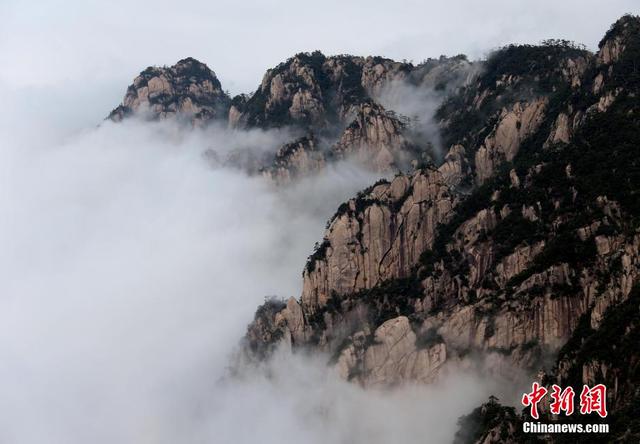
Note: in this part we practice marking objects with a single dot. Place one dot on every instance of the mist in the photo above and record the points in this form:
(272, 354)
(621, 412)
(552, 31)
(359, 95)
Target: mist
(418, 104)
(130, 270)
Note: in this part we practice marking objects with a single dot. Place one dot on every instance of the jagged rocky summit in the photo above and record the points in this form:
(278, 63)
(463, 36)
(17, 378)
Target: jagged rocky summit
(331, 104)
(188, 89)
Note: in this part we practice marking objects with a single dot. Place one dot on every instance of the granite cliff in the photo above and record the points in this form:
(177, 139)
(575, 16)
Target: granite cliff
(516, 250)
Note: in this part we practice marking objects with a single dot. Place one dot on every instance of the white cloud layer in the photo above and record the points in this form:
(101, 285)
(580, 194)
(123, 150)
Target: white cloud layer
(129, 271)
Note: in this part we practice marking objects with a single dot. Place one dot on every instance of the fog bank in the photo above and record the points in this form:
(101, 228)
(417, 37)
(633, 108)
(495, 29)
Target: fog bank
(130, 269)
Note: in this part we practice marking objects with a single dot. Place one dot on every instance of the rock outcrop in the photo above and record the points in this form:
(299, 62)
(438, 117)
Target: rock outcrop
(300, 158)
(377, 236)
(395, 355)
(188, 89)
(501, 109)
(376, 139)
(620, 37)
(491, 423)
(308, 90)
(313, 90)
(502, 144)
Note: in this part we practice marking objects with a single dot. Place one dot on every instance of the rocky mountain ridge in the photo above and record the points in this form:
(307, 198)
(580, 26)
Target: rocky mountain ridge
(525, 236)
(334, 101)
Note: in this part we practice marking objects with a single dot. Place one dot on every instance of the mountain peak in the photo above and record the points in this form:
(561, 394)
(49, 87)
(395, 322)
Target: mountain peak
(189, 89)
(623, 33)
(625, 26)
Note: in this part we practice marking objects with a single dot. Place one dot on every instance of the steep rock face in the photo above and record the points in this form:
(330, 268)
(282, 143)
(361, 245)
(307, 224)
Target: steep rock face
(378, 72)
(620, 36)
(513, 126)
(505, 270)
(309, 90)
(313, 90)
(502, 108)
(603, 348)
(188, 89)
(607, 355)
(300, 158)
(562, 129)
(375, 138)
(377, 236)
(395, 356)
(455, 167)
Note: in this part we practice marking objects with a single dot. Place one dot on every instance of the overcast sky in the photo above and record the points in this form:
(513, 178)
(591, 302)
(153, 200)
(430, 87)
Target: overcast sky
(108, 42)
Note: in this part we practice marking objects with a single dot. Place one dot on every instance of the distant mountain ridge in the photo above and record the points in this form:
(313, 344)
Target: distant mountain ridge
(332, 100)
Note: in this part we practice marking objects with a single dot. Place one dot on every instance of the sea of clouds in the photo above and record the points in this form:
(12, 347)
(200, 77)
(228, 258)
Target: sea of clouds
(130, 267)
